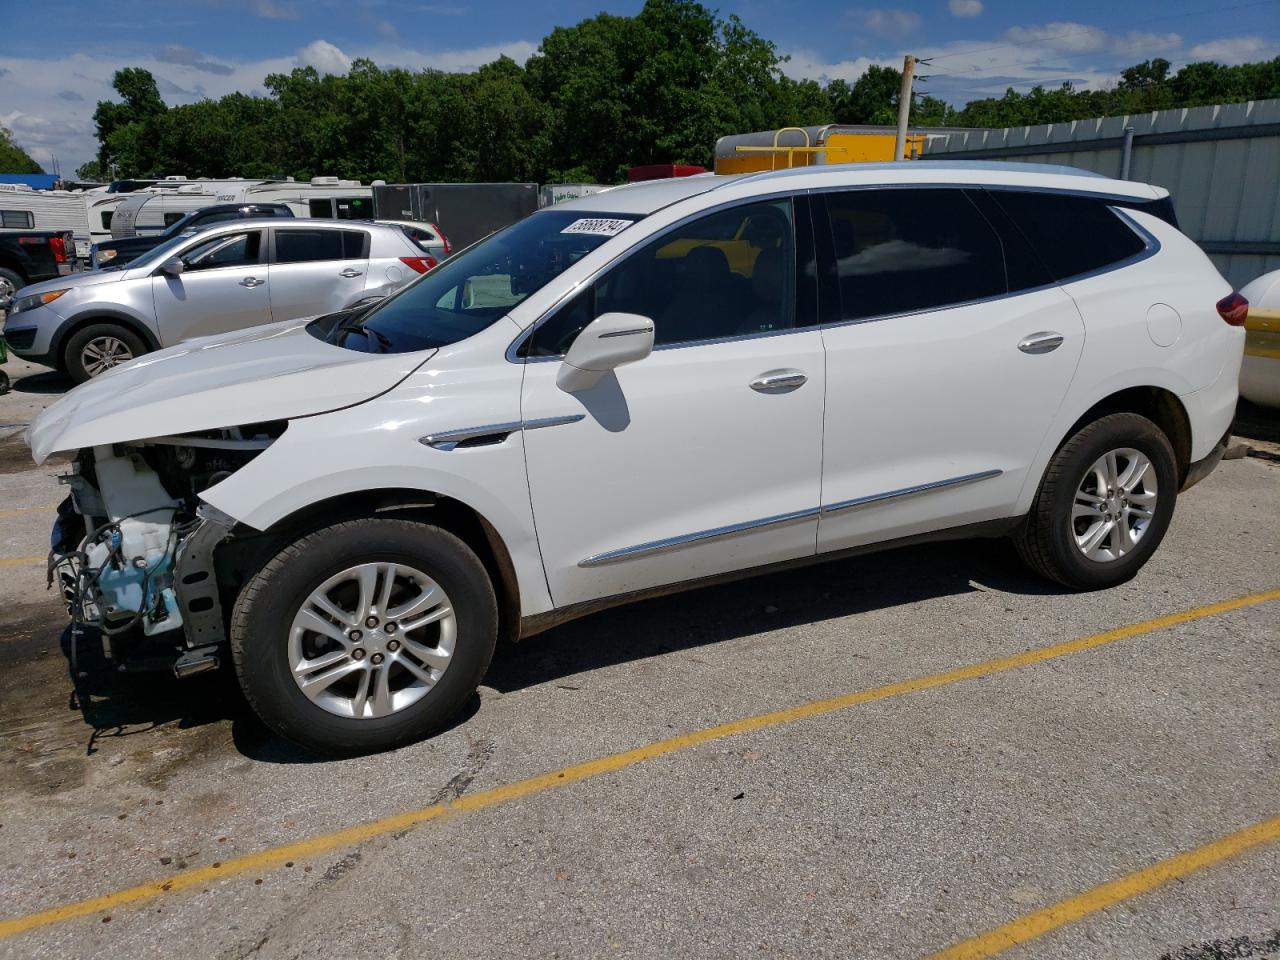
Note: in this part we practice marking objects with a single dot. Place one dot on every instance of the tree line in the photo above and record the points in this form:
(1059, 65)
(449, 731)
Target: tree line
(597, 98)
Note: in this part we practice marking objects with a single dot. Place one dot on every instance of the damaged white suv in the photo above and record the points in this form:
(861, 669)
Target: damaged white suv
(646, 389)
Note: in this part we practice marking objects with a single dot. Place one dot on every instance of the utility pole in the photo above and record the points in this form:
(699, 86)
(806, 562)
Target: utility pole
(904, 106)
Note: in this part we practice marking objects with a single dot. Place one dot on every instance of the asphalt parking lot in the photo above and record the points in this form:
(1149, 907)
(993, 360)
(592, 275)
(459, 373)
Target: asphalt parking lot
(881, 757)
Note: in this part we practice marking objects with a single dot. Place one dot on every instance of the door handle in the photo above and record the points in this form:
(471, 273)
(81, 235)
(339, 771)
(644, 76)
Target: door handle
(779, 381)
(349, 272)
(251, 282)
(1043, 342)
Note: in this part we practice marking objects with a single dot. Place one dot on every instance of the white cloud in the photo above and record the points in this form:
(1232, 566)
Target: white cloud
(1233, 50)
(51, 111)
(807, 65)
(887, 22)
(965, 8)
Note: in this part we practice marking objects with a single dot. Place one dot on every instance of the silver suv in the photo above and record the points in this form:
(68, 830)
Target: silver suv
(222, 278)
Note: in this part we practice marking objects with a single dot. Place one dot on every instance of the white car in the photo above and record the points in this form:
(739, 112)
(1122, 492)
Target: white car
(1260, 374)
(639, 391)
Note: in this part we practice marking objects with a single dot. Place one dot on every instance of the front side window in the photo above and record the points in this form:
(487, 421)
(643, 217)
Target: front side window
(474, 289)
(731, 273)
(308, 246)
(901, 251)
(236, 250)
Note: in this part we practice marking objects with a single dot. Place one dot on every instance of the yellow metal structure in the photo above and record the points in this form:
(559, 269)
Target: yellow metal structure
(809, 146)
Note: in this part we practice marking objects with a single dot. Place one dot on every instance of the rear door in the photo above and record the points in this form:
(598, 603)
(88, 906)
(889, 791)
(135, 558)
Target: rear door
(223, 287)
(949, 350)
(316, 269)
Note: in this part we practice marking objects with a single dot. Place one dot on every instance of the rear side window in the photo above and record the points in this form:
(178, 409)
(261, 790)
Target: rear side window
(1073, 235)
(17, 219)
(902, 251)
(307, 246)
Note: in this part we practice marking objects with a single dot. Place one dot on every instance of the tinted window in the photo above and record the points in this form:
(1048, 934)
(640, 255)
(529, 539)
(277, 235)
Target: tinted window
(321, 208)
(352, 208)
(899, 251)
(236, 250)
(16, 219)
(171, 218)
(305, 246)
(727, 274)
(1072, 235)
(208, 218)
(474, 289)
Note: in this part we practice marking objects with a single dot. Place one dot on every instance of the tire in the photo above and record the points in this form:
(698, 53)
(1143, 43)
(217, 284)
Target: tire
(267, 642)
(10, 282)
(111, 342)
(1049, 540)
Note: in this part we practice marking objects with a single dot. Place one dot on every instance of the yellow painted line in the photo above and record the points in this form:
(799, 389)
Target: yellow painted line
(48, 508)
(318, 845)
(1109, 894)
(23, 561)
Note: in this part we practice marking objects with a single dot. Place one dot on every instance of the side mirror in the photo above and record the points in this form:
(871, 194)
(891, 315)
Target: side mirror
(607, 342)
(173, 266)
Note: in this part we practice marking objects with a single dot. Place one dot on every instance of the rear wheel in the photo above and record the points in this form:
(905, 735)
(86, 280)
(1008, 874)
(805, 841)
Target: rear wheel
(1104, 504)
(365, 635)
(93, 350)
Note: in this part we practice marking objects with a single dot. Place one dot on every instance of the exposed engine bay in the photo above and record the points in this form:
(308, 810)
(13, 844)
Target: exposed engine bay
(132, 548)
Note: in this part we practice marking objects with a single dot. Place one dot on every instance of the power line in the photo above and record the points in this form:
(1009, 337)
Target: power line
(1132, 23)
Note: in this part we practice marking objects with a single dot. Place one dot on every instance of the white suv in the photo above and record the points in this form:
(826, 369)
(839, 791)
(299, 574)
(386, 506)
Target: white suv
(642, 390)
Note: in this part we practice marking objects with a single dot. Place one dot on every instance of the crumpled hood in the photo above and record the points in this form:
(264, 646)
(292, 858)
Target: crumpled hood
(274, 372)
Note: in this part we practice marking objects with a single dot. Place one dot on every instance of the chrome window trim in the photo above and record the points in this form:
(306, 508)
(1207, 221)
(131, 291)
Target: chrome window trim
(514, 347)
(655, 547)
(449, 439)
(856, 502)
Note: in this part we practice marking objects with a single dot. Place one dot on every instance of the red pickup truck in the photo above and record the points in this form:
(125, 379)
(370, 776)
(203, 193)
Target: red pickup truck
(29, 256)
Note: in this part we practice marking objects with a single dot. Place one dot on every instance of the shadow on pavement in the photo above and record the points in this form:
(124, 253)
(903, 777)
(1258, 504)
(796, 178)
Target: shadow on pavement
(45, 382)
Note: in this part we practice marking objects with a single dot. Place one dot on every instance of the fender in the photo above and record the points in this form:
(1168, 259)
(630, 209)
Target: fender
(95, 313)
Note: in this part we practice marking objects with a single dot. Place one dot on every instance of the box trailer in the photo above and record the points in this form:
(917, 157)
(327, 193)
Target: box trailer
(814, 146)
(466, 212)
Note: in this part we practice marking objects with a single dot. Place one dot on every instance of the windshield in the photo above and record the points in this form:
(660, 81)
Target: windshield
(474, 289)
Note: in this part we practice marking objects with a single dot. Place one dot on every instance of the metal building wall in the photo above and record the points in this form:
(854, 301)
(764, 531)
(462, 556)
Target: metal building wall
(1220, 163)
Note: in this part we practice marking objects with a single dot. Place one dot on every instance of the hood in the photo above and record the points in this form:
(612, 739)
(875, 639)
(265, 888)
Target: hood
(275, 372)
(71, 281)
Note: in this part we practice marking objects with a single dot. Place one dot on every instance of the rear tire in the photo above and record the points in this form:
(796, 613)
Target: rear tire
(1088, 532)
(93, 350)
(388, 692)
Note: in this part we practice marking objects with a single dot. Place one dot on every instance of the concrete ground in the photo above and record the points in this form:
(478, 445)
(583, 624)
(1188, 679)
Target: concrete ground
(890, 828)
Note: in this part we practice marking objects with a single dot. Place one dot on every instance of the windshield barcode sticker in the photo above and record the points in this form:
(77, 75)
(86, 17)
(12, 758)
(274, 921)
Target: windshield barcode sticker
(600, 227)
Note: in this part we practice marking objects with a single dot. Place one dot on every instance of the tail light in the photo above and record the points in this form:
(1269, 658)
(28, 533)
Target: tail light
(419, 264)
(448, 247)
(59, 247)
(1234, 309)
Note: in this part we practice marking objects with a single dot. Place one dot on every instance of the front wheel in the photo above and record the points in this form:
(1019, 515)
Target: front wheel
(93, 350)
(1104, 504)
(365, 635)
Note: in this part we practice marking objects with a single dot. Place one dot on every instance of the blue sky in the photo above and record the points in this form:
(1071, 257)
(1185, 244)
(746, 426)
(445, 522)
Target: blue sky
(51, 76)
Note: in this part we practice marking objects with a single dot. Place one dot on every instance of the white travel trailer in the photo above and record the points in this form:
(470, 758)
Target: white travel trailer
(150, 211)
(23, 208)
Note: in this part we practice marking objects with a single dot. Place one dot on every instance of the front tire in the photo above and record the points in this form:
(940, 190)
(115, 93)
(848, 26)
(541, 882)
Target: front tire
(364, 635)
(1104, 504)
(93, 350)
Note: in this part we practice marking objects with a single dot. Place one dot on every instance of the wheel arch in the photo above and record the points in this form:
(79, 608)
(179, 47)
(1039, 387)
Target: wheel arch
(448, 513)
(1159, 405)
(71, 325)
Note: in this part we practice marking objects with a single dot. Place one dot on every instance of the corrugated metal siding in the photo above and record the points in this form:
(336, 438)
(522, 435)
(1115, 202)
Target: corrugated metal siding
(1225, 190)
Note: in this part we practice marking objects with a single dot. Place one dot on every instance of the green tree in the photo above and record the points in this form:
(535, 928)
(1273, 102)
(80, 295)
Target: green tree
(13, 159)
(127, 130)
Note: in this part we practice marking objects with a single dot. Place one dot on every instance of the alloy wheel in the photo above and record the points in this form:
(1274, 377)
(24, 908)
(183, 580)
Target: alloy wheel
(372, 640)
(102, 353)
(1114, 505)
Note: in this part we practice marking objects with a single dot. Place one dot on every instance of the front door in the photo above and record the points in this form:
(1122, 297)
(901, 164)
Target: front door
(316, 270)
(948, 357)
(223, 287)
(705, 457)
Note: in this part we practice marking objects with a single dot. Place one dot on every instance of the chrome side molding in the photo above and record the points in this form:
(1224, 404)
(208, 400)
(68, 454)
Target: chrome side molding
(907, 491)
(704, 536)
(676, 543)
(493, 432)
